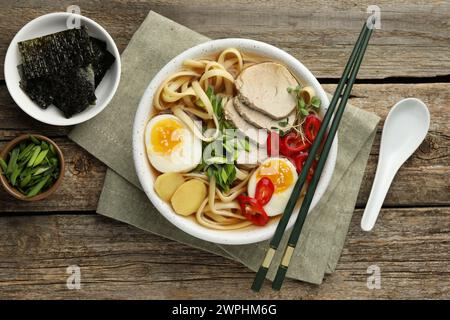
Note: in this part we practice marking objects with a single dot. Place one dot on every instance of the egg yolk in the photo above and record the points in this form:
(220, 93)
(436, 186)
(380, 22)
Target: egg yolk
(278, 172)
(165, 136)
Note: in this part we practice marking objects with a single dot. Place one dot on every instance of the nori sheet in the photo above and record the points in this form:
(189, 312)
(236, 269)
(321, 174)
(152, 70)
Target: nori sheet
(102, 60)
(56, 53)
(70, 92)
(74, 92)
(37, 89)
(58, 70)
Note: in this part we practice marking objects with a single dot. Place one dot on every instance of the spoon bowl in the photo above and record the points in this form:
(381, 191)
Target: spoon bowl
(405, 128)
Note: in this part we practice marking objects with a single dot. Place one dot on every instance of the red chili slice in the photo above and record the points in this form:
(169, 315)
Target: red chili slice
(299, 162)
(311, 127)
(264, 190)
(292, 144)
(252, 210)
(273, 144)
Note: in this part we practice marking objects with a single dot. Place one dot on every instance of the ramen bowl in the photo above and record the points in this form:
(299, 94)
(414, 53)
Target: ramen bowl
(147, 174)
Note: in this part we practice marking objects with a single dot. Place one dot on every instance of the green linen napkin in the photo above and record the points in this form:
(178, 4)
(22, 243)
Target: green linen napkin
(109, 138)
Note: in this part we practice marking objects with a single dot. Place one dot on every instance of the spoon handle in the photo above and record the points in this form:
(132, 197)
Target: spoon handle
(383, 179)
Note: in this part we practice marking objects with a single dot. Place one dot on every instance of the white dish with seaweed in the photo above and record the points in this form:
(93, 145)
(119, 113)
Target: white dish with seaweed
(50, 24)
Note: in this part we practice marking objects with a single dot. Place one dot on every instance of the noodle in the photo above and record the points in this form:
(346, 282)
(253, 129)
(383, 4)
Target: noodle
(184, 93)
(160, 101)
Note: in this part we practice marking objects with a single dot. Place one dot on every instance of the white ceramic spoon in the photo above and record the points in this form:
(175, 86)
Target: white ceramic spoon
(404, 130)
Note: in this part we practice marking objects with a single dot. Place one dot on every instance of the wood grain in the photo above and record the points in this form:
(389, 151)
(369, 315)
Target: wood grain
(428, 168)
(411, 245)
(426, 175)
(320, 35)
(120, 261)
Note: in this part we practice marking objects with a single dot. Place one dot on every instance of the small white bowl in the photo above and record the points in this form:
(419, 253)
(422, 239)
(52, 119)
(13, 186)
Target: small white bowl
(47, 24)
(147, 176)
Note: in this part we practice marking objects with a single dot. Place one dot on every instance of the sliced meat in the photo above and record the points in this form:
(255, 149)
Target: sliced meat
(263, 87)
(243, 126)
(259, 119)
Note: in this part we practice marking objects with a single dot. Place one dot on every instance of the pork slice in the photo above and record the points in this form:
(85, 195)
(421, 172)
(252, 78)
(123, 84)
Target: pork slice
(243, 126)
(263, 87)
(261, 120)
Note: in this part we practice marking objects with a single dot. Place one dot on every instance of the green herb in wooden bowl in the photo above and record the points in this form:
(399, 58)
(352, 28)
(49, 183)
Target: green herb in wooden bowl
(31, 167)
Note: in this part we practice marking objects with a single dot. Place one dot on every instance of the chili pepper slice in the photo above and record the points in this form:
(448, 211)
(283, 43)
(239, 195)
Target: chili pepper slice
(252, 210)
(299, 162)
(292, 144)
(264, 190)
(273, 144)
(311, 127)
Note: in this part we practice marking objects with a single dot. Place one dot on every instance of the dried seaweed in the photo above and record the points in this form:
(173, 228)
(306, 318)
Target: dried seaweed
(38, 89)
(71, 92)
(102, 60)
(63, 69)
(56, 53)
(74, 92)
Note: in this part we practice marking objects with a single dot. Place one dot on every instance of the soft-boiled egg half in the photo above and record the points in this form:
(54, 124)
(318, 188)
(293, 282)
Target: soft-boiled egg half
(171, 146)
(283, 175)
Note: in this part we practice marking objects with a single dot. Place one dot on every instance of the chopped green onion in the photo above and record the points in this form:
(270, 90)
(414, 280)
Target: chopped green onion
(3, 165)
(40, 158)
(36, 151)
(12, 161)
(15, 174)
(38, 187)
(25, 181)
(216, 160)
(54, 161)
(25, 172)
(34, 140)
(245, 144)
(25, 152)
(32, 166)
(223, 175)
(229, 146)
(44, 145)
(52, 149)
(40, 170)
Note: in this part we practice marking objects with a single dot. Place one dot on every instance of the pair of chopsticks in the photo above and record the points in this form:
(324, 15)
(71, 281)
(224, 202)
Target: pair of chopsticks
(343, 89)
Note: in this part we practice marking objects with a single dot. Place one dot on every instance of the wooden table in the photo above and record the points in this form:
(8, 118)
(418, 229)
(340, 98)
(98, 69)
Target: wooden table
(409, 56)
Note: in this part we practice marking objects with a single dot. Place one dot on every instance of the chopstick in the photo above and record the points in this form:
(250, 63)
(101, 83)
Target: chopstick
(352, 66)
(295, 233)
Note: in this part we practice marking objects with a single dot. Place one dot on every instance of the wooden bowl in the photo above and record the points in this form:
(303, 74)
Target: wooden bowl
(15, 193)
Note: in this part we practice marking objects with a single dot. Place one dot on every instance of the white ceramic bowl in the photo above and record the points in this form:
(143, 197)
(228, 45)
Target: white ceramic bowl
(47, 24)
(147, 177)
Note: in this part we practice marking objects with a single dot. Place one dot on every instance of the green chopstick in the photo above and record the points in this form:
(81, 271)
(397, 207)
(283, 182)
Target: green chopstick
(295, 233)
(261, 274)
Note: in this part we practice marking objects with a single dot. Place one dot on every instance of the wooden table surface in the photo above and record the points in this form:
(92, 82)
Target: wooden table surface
(408, 57)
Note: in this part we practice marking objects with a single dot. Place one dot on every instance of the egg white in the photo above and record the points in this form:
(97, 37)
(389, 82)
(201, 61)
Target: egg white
(183, 158)
(279, 200)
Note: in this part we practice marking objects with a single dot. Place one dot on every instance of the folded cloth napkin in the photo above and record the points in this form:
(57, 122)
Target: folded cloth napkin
(109, 138)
